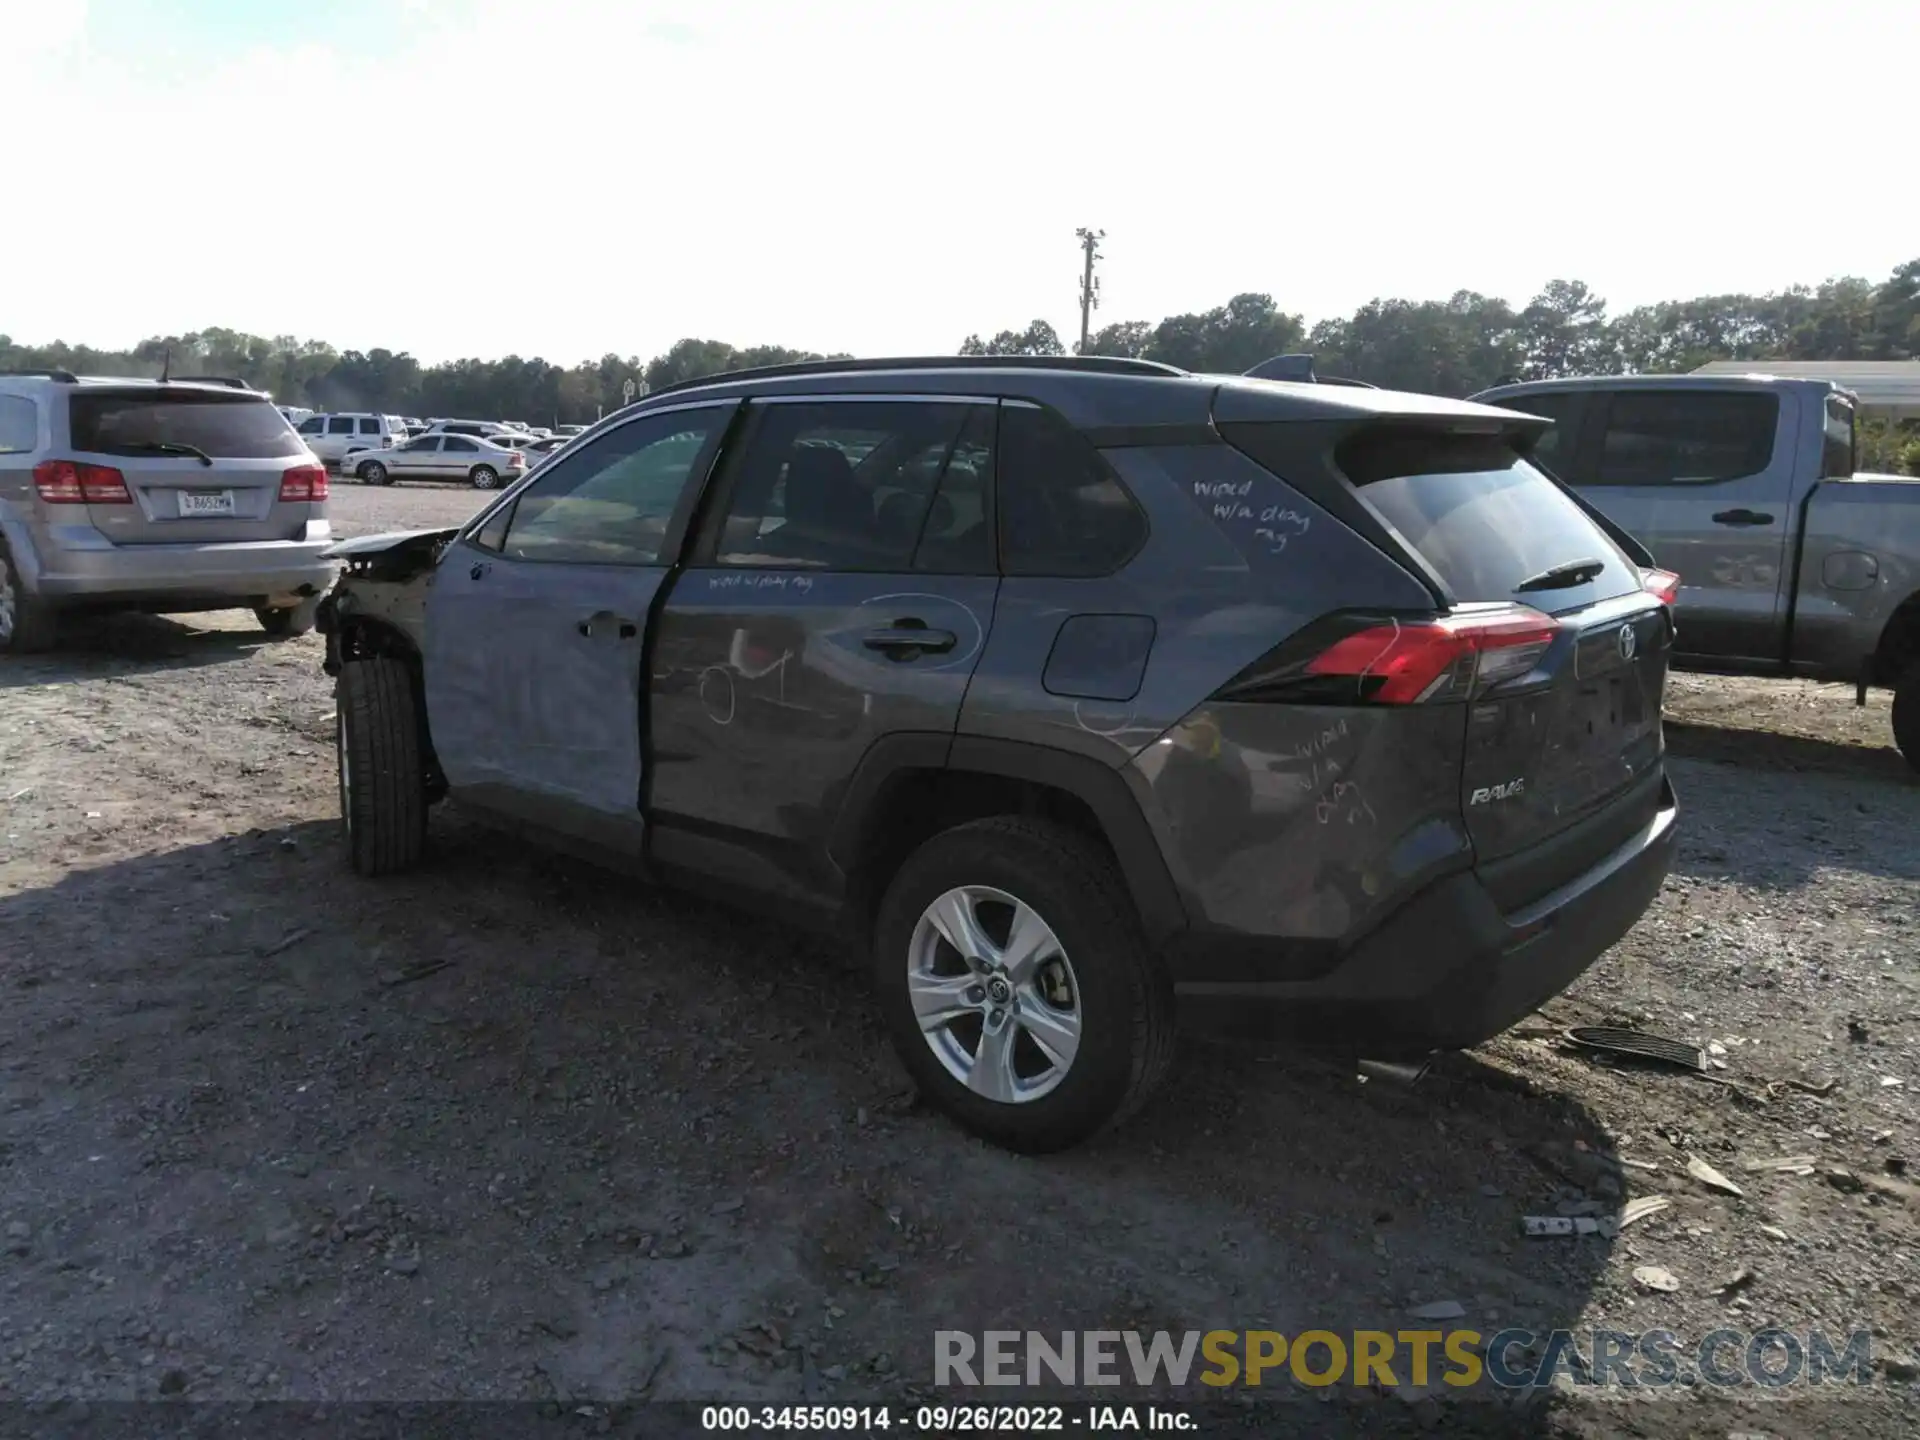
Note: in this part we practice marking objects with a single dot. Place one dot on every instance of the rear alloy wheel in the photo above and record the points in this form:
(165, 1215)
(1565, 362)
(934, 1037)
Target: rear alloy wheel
(484, 477)
(283, 622)
(383, 791)
(26, 624)
(1906, 715)
(1017, 985)
(372, 473)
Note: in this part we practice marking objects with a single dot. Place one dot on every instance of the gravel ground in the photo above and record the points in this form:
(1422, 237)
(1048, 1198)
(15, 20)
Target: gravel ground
(509, 1128)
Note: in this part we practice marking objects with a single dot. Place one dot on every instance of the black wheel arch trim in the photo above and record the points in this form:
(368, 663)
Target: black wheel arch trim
(1103, 789)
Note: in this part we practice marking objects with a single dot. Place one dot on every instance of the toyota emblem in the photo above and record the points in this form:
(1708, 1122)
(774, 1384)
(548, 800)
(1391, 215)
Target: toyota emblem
(1628, 642)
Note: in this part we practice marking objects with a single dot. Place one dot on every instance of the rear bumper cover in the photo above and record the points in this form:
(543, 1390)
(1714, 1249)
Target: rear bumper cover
(241, 569)
(1450, 970)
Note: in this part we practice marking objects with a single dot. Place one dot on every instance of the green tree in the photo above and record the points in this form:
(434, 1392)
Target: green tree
(1039, 338)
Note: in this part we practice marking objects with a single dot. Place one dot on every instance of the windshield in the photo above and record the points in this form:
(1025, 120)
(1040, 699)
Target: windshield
(223, 427)
(1492, 526)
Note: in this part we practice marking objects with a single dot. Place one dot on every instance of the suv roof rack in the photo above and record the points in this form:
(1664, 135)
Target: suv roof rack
(231, 382)
(1093, 364)
(65, 377)
(1299, 368)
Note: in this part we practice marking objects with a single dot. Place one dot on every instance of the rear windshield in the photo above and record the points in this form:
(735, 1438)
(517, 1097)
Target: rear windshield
(223, 427)
(1487, 521)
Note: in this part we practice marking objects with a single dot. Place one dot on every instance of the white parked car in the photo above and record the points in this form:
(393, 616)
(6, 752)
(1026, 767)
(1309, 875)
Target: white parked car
(331, 436)
(486, 429)
(480, 462)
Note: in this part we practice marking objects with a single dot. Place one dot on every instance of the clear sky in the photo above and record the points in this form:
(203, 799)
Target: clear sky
(567, 177)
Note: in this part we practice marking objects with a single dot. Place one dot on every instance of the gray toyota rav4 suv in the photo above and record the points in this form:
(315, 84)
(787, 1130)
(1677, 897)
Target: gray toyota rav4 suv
(154, 495)
(1082, 694)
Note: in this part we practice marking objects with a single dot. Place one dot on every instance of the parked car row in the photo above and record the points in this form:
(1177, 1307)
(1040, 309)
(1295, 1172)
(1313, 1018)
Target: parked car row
(339, 439)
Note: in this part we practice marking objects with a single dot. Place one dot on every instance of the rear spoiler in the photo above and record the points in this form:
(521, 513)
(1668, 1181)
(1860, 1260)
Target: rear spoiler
(1299, 369)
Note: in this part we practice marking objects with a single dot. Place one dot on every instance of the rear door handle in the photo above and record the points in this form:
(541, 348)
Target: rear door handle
(600, 623)
(1742, 517)
(903, 638)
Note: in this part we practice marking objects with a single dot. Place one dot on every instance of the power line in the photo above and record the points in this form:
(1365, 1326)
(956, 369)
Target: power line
(1089, 287)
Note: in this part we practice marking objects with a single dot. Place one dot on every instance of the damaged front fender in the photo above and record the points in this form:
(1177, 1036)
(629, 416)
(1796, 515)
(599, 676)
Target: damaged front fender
(378, 605)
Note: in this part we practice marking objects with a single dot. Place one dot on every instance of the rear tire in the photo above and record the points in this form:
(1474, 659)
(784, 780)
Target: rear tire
(287, 621)
(372, 473)
(1116, 994)
(383, 791)
(27, 622)
(1906, 715)
(484, 477)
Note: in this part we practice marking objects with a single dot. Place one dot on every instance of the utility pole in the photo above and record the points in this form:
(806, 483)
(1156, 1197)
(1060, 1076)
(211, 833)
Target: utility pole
(1089, 287)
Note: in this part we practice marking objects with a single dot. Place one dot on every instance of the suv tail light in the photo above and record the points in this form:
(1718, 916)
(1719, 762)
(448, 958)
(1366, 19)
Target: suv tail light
(1663, 584)
(1383, 660)
(304, 483)
(69, 482)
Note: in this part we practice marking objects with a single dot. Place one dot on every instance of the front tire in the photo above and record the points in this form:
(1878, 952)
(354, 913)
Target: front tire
(372, 473)
(383, 792)
(484, 477)
(1018, 986)
(1906, 715)
(26, 621)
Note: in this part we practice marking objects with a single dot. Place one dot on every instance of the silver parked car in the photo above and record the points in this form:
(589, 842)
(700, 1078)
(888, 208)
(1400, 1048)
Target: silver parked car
(483, 464)
(157, 496)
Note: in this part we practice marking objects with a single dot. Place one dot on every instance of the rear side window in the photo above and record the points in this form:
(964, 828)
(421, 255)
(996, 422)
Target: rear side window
(369, 425)
(19, 425)
(1686, 437)
(147, 422)
(340, 425)
(455, 442)
(1063, 511)
(1491, 525)
(854, 486)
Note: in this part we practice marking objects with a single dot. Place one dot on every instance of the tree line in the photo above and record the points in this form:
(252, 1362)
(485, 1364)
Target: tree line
(1448, 347)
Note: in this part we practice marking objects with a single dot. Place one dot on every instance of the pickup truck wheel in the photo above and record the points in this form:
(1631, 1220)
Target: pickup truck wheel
(1017, 985)
(1906, 715)
(383, 791)
(287, 621)
(26, 622)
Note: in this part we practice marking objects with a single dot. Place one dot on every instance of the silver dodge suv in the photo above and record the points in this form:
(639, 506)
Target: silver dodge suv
(165, 496)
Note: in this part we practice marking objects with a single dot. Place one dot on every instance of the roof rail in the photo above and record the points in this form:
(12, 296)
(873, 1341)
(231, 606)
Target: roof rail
(1093, 364)
(1299, 368)
(65, 377)
(227, 380)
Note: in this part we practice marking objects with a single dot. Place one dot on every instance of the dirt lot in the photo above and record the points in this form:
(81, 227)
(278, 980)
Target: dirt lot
(511, 1128)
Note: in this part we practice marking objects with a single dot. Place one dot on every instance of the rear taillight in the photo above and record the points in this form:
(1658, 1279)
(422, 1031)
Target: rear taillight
(1406, 662)
(304, 483)
(69, 482)
(1662, 583)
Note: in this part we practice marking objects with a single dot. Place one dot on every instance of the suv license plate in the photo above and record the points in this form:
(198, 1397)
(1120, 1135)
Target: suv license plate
(206, 502)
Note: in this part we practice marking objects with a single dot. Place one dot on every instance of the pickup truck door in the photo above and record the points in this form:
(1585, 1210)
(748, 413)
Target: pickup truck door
(1703, 477)
(536, 628)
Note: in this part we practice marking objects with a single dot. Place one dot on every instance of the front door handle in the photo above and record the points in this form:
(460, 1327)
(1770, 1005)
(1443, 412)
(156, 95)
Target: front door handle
(600, 623)
(905, 638)
(1742, 517)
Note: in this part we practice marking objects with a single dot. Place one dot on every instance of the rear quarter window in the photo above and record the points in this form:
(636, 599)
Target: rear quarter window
(1484, 519)
(222, 427)
(19, 425)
